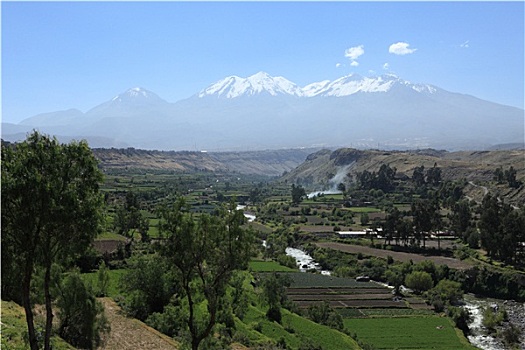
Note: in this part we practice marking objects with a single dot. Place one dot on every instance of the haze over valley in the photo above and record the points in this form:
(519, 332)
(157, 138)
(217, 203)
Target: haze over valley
(265, 112)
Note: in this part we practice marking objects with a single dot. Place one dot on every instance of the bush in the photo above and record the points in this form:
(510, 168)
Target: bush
(81, 317)
(419, 281)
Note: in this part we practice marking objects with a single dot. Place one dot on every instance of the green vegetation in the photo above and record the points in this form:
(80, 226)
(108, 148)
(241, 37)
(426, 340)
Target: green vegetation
(431, 332)
(268, 266)
(172, 250)
(51, 211)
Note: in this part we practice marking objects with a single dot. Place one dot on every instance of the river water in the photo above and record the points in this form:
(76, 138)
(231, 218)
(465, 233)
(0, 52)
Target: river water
(251, 217)
(479, 336)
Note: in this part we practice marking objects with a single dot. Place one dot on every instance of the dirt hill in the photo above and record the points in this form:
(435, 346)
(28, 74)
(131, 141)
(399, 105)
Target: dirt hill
(476, 167)
(267, 162)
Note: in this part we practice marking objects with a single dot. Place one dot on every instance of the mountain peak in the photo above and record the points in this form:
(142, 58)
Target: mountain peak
(257, 84)
(135, 93)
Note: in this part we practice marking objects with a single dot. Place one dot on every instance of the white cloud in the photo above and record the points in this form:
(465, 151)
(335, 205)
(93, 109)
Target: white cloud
(400, 48)
(338, 65)
(354, 53)
(465, 44)
(386, 66)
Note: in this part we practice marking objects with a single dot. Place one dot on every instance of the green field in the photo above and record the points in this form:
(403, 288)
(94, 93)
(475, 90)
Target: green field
(432, 332)
(314, 280)
(114, 281)
(268, 266)
(295, 330)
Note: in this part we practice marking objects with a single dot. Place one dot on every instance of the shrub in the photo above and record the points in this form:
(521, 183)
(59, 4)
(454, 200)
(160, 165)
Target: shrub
(81, 317)
(419, 281)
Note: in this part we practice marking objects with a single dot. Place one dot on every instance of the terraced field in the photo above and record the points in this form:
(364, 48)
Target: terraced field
(343, 293)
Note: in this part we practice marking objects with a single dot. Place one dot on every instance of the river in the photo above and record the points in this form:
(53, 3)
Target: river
(251, 217)
(479, 336)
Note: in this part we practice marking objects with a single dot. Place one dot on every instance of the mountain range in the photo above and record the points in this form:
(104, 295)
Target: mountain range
(265, 112)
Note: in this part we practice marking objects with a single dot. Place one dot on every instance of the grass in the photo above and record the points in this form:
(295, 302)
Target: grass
(327, 337)
(432, 332)
(294, 329)
(14, 329)
(312, 280)
(268, 266)
(114, 289)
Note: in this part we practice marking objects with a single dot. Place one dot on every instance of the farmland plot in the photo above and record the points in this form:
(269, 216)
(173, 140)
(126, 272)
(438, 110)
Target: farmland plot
(342, 293)
(430, 332)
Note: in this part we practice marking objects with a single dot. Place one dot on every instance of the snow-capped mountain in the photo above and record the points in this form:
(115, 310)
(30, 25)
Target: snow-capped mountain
(262, 111)
(263, 83)
(257, 84)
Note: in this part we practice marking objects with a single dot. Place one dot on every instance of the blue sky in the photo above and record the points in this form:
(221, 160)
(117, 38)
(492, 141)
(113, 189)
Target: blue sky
(61, 55)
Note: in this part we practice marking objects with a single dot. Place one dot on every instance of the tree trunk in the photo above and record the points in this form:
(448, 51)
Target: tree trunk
(26, 301)
(49, 308)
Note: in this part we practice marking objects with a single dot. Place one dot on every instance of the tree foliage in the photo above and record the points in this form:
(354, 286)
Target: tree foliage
(82, 321)
(50, 211)
(419, 281)
(298, 193)
(502, 229)
(129, 218)
(205, 251)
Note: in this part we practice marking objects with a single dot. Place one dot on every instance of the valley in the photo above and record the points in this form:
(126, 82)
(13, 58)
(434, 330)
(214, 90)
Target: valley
(377, 203)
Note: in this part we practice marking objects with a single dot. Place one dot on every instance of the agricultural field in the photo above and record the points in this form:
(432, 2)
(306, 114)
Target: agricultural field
(399, 256)
(268, 266)
(308, 289)
(416, 332)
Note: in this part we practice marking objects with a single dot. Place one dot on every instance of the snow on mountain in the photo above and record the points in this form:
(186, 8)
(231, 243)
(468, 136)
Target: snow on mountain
(361, 110)
(234, 86)
(137, 95)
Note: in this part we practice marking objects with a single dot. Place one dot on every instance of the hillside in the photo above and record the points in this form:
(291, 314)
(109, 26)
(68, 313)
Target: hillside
(320, 168)
(265, 163)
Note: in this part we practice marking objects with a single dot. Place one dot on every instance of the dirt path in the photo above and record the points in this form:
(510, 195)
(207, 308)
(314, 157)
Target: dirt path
(128, 333)
(400, 256)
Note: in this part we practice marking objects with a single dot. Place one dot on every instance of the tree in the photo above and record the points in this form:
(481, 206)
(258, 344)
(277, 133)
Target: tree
(419, 281)
(149, 283)
(460, 219)
(434, 175)
(426, 217)
(130, 218)
(418, 176)
(51, 211)
(445, 292)
(322, 313)
(102, 280)
(298, 193)
(205, 252)
(274, 294)
(82, 321)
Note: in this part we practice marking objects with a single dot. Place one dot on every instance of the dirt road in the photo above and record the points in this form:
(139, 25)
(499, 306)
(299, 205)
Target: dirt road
(131, 334)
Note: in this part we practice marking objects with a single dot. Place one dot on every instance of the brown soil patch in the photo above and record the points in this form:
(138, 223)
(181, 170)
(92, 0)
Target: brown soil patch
(400, 256)
(129, 333)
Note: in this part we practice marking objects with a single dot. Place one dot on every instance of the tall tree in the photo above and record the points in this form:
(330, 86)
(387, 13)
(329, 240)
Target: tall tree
(129, 218)
(298, 193)
(51, 210)
(205, 251)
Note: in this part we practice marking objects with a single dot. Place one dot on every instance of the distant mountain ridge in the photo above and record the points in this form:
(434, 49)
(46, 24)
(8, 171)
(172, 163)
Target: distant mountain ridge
(265, 112)
(262, 83)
